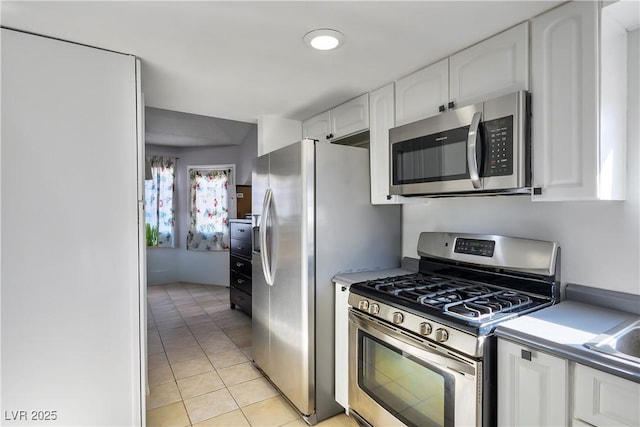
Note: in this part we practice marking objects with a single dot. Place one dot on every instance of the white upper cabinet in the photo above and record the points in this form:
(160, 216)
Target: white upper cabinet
(317, 127)
(421, 94)
(382, 119)
(578, 153)
(495, 67)
(346, 119)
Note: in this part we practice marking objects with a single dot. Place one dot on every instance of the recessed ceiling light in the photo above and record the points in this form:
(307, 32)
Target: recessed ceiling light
(324, 39)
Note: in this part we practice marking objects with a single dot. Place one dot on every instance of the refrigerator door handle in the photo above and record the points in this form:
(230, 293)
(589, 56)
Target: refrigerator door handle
(264, 247)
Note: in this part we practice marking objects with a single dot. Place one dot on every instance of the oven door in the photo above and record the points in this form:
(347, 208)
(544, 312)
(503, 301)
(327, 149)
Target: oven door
(395, 379)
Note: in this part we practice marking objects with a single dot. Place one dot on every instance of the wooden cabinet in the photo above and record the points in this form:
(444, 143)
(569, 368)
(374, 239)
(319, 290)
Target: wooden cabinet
(532, 387)
(346, 119)
(494, 67)
(578, 142)
(240, 265)
(602, 399)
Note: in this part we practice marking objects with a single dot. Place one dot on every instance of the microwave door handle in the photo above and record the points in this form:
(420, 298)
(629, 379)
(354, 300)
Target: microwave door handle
(472, 160)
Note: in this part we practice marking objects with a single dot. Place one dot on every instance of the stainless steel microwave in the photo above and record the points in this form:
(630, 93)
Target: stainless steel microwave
(479, 149)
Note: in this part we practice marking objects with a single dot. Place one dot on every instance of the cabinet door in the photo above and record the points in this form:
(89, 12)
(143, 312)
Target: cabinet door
(532, 387)
(564, 101)
(350, 117)
(419, 95)
(317, 127)
(492, 68)
(342, 345)
(602, 399)
(382, 119)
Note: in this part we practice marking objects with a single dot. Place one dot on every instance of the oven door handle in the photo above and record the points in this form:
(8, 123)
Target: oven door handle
(443, 358)
(472, 159)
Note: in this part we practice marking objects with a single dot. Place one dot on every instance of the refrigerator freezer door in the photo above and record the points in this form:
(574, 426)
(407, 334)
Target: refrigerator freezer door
(292, 297)
(260, 289)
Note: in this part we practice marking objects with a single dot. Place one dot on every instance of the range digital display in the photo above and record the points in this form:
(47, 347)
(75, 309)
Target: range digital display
(475, 247)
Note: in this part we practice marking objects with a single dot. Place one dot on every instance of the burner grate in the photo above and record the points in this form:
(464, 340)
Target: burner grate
(455, 297)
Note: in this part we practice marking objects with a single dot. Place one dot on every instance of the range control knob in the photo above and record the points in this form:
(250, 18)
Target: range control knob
(442, 335)
(397, 318)
(374, 309)
(425, 328)
(363, 304)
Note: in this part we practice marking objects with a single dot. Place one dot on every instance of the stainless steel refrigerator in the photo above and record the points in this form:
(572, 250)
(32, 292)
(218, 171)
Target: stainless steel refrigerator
(312, 219)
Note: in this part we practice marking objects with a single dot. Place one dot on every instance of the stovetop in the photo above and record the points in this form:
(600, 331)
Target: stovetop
(433, 294)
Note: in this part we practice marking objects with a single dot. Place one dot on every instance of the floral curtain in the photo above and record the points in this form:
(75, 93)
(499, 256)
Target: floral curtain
(159, 213)
(209, 209)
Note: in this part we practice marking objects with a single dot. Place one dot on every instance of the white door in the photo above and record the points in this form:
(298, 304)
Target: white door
(564, 89)
(495, 67)
(421, 94)
(350, 117)
(532, 387)
(317, 127)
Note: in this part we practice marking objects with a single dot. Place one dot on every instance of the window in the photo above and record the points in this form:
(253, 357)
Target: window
(158, 202)
(209, 205)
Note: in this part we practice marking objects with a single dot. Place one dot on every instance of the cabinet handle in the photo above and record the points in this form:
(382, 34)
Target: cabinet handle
(240, 282)
(441, 108)
(239, 264)
(451, 104)
(240, 248)
(525, 354)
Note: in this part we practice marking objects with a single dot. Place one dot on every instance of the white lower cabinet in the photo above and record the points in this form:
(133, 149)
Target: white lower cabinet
(342, 345)
(602, 399)
(532, 387)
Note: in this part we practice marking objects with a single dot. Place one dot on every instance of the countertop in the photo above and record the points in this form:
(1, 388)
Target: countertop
(562, 329)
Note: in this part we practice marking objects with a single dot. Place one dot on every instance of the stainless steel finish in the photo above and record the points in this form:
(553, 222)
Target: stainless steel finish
(442, 335)
(512, 253)
(622, 341)
(293, 336)
(267, 251)
(442, 122)
(516, 104)
(374, 309)
(462, 341)
(519, 182)
(467, 372)
(260, 290)
(425, 328)
(472, 160)
(363, 305)
(397, 318)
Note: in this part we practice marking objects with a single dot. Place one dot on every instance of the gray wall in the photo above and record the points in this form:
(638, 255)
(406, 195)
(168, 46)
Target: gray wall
(599, 240)
(166, 265)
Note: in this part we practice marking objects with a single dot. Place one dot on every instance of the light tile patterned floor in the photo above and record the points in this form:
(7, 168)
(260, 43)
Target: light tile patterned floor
(200, 369)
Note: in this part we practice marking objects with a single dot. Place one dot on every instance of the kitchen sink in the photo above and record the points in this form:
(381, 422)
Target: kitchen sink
(622, 341)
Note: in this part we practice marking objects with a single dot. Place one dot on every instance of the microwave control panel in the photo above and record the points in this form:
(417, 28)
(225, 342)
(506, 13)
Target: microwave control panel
(499, 143)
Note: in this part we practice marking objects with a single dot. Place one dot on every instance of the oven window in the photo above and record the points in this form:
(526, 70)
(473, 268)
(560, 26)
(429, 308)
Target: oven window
(415, 392)
(438, 157)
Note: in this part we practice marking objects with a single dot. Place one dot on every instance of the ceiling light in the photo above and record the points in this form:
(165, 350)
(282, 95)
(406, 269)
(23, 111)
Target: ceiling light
(324, 39)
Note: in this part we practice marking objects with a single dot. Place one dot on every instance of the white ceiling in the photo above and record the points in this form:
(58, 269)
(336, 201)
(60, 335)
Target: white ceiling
(239, 60)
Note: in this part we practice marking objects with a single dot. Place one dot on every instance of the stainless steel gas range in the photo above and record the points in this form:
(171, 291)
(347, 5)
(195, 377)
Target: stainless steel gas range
(421, 346)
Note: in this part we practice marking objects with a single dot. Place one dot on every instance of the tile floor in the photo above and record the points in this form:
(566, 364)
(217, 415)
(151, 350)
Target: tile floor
(200, 369)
